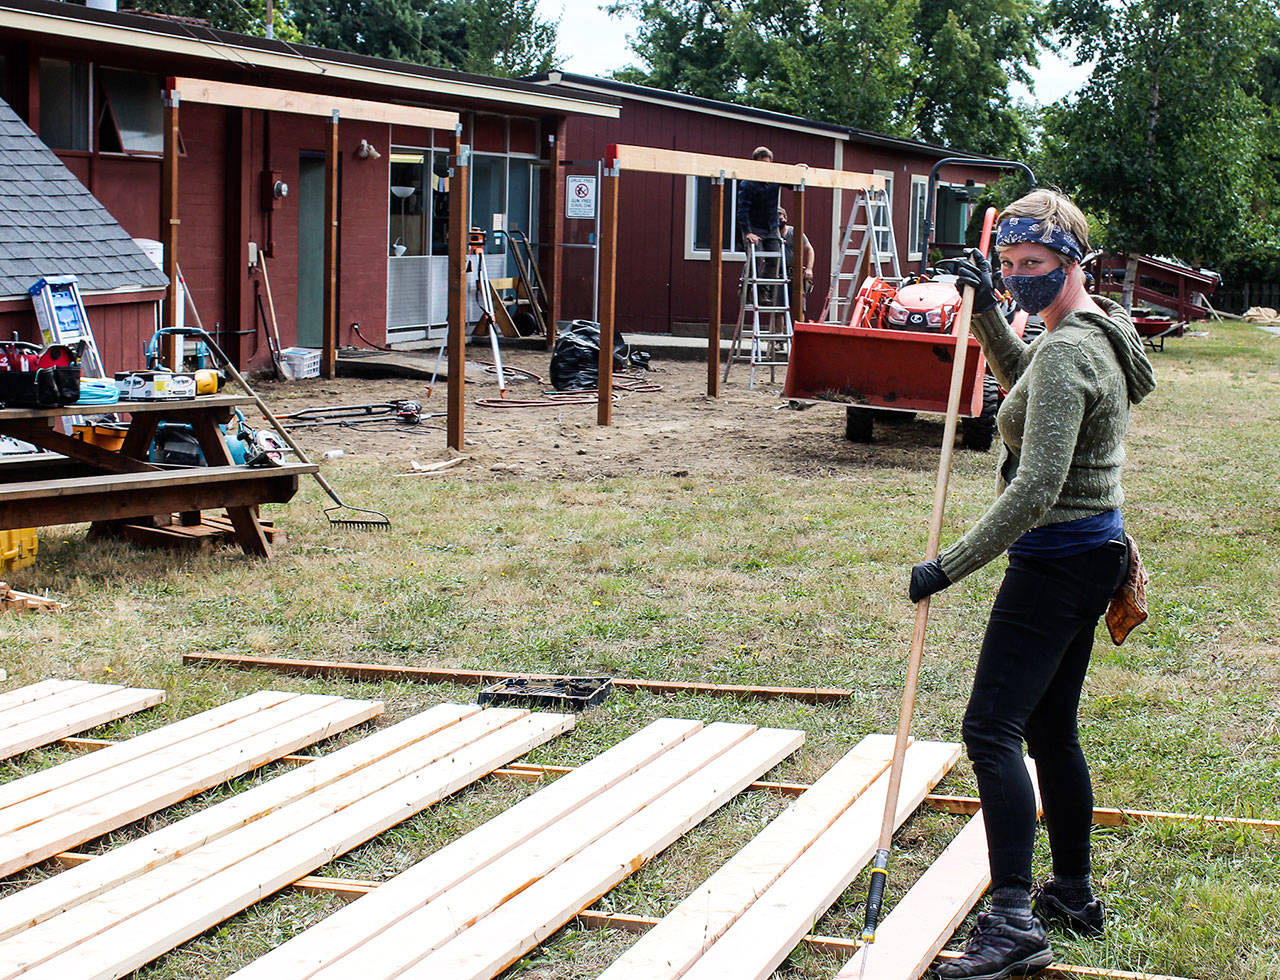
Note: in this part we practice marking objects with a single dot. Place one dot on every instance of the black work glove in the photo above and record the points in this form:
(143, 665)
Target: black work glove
(975, 271)
(926, 579)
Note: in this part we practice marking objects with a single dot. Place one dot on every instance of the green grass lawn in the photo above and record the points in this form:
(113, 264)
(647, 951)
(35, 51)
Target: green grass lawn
(764, 580)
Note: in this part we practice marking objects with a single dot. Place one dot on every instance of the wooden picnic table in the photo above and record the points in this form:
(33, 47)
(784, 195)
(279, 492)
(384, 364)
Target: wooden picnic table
(85, 482)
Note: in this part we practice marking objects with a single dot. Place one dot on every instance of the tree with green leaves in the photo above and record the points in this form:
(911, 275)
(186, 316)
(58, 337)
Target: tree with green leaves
(1170, 142)
(489, 37)
(240, 16)
(968, 52)
(926, 68)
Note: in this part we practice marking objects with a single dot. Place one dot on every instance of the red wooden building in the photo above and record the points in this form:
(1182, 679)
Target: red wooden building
(663, 220)
(89, 82)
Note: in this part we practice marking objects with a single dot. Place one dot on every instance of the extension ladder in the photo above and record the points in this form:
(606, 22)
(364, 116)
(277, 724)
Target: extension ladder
(770, 318)
(873, 216)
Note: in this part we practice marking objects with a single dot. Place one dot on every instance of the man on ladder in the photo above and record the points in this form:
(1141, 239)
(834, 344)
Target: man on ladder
(758, 204)
(765, 287)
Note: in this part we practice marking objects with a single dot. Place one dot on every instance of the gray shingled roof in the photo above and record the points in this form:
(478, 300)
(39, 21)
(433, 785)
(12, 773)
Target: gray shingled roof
(50, 225)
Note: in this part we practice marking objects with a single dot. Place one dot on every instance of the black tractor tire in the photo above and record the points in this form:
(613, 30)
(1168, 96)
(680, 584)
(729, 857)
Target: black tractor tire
(1033, 329)
(526, 323)
(858, 423)
(979, 433)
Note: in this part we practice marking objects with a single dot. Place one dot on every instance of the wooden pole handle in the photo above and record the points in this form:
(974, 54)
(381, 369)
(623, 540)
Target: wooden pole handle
(907, 708)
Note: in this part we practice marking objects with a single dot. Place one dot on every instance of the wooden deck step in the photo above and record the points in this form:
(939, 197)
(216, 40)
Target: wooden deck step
(681, 937)
(765, 935)
(135, 918)
(45, 712)
(527, 872)
(68, 804)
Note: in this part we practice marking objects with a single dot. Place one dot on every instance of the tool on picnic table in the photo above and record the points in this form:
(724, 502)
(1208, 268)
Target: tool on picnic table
(880, 868)
(374, 519)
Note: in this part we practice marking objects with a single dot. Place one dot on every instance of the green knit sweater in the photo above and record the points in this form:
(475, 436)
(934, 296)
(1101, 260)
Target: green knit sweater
(1062, 425)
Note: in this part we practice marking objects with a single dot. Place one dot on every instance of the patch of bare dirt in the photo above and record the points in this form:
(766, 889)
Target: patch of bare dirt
(676, 431)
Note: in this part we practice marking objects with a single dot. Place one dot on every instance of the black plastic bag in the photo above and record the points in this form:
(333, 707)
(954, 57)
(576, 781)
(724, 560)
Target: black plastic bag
(575, 362)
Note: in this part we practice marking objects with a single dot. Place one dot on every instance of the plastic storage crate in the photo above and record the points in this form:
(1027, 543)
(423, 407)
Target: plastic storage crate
(301, 362)
(18, 548)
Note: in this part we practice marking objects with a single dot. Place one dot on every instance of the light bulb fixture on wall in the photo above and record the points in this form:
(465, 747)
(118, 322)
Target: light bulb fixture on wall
(366, 151)
(404, 192)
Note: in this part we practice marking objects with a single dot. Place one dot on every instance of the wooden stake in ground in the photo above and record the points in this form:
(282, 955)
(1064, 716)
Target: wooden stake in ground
(880, 872)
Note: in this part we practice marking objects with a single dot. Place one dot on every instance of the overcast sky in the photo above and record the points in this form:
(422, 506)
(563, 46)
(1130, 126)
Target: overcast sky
(593, 43)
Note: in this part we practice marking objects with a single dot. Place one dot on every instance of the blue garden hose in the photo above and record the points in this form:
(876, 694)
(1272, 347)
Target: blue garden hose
(98, 392)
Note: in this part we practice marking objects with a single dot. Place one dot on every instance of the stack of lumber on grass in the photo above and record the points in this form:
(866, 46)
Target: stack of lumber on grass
(41, 713)
(478, 904)
(11, 600)
(68, 804)
(748, 916)
(109, 916)
(923, 920)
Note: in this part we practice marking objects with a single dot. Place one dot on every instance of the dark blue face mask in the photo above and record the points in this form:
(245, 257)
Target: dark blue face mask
(1034, 293)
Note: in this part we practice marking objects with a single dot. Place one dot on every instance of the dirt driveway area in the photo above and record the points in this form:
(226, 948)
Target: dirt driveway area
(677, 430)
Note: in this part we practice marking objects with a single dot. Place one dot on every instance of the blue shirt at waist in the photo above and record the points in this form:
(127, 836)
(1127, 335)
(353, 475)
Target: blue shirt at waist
(1070, 537)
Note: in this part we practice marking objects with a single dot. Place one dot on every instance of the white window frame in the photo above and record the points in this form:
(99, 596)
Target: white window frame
(916, 217)
(732, 254)
(885, 252)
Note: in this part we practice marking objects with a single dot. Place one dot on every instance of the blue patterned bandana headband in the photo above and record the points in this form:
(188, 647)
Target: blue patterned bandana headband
(1015, 231)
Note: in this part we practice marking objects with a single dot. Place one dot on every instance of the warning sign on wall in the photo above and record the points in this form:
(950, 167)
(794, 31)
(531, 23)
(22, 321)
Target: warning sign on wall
(580, 197)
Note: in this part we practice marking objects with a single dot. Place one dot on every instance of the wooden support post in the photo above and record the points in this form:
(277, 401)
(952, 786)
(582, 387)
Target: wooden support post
(555, 227)
(717, 276)
(457, 332)
(329, 348)
(608, 279)
(797, 255)
(171, 352)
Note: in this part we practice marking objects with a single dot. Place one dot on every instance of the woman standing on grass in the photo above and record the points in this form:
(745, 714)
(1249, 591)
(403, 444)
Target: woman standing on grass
(1057, 514)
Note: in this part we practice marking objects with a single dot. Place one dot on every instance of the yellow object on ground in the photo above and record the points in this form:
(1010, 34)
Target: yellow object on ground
(18, 548)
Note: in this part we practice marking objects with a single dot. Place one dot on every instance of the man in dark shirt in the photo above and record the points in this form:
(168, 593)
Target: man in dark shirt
(758, 221)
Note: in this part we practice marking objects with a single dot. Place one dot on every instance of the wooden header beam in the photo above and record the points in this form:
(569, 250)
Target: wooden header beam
(309, 104)
(654, 160)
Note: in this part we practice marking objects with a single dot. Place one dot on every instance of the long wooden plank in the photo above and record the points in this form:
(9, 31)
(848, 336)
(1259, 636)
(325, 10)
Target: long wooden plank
(433, 923)
(55, 895)
(905, 946)
(106, 704)
(705, 915)
(767, 932)
(640, 924)
(135, 936)
(37, 837)
(193, 727)
(89, 919)
(653, 159)
(34, 692)
(22, 704)
(346, 929)
(64, 700)
(139, 774)
(526, 919)
(310, 104)
(923, 920)
(323, 668)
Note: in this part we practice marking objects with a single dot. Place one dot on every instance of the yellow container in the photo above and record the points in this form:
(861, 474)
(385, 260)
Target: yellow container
(17, 548)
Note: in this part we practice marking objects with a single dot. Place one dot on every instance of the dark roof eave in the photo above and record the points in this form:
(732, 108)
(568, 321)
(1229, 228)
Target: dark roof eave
(851, 133)
(302, 52)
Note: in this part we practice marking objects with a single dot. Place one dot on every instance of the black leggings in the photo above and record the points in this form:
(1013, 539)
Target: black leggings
(1030, 673)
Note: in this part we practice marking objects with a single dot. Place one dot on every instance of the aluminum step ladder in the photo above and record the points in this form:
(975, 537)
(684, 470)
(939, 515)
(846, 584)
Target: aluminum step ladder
(872, 215)
(764, 314)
